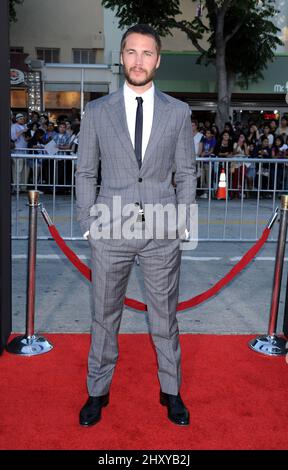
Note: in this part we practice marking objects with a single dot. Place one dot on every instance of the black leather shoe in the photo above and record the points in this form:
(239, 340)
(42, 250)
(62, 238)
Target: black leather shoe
(177, 412)
(91, 412)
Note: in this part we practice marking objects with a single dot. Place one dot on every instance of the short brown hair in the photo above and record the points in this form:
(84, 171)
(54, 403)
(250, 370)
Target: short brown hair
(144, 29)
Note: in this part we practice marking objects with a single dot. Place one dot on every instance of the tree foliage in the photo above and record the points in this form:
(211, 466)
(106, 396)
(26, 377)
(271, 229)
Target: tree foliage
(12, 9)
(249, 34)
(157, 13)
(252, 46)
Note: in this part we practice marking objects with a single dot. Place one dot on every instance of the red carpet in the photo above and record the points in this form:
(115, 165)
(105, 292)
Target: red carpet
(237, 398)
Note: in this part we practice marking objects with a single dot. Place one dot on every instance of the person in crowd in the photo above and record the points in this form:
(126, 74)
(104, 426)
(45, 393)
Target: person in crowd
(238, 170)
(251, 170)
(74, 145)
(69, 129)
(278, 175)
(61, 138)
(31, 129)
(76, 121)
(12, 121)
(37, 140)
(198, 145)
(224, 148)
(64, 168)
(229, 128)
(215, 131)
(19, 165)
(118, 128)
(286, 146)
(36, 146)
(74, 116)
(34, 118)
(253, 135)
(224, 145)
(74, 140)
(238, 129)
(265, 151)
(283, 128)
(273, 127)
(279, 148)
(43, 122)
(240, 147)
(50, 133)
(267, 134)
(208, 146)
(285, 167)
(62, 118)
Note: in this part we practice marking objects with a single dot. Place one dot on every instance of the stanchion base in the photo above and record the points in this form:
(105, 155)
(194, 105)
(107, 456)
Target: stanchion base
(29, 345)
(269, 345)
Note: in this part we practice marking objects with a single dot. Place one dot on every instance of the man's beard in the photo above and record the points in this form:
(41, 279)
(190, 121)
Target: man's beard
(143, 82)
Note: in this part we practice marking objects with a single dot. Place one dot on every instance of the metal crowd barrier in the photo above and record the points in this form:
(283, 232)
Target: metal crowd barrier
(254, 187)
(54, 177)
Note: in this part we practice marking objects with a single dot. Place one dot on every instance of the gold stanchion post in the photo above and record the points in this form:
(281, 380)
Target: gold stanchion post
(30, 344)
(271, 344)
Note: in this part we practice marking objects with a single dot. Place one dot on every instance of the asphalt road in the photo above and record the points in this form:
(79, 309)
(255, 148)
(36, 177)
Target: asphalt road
(63, 295)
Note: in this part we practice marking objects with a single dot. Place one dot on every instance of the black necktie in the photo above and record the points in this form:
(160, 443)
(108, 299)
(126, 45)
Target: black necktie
(139, 130)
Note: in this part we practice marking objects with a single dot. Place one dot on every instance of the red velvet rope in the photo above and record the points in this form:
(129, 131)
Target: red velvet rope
(135, 304)
(82, 267)
(251, 253)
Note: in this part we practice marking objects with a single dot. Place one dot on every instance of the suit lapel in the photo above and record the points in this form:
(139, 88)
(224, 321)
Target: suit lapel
(117, 116)
(160, 119)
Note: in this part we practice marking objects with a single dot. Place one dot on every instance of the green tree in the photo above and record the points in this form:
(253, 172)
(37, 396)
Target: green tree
(241, 36)
(12, 9)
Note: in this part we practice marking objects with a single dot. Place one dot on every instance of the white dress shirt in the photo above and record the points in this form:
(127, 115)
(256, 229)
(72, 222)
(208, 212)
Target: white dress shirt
(131, 108)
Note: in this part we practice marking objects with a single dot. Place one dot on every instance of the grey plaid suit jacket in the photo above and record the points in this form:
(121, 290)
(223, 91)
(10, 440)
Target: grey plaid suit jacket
(104, 135)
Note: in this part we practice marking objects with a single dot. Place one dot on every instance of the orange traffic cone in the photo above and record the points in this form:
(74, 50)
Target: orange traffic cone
(221, 191)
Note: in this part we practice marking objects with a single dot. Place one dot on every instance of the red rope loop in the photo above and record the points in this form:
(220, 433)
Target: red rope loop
(198, 299)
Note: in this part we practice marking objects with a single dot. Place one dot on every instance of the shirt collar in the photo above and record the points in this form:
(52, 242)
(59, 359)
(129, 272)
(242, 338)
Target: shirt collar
(130, 94)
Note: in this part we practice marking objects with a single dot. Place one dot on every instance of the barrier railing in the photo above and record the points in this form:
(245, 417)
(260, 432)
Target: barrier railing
(54, 177)
(253, 189)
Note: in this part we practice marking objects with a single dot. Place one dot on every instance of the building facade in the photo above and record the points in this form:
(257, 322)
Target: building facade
(66, 53)
(57, 55)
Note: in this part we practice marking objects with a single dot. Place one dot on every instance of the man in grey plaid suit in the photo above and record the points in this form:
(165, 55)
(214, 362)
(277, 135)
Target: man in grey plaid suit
(141, 135)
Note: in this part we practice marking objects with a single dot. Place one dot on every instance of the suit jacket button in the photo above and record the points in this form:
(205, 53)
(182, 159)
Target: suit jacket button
(140, 180)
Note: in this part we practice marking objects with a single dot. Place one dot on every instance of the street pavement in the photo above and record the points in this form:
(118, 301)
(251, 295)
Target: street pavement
(63, 295)
(63, 301)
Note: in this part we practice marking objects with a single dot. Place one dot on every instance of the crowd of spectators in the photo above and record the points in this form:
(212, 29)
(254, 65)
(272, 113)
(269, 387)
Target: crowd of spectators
(31, 134)
(267, 141)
